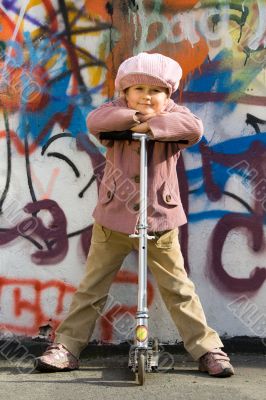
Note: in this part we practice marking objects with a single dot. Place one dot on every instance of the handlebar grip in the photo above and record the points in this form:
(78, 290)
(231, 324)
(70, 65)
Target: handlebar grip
(123, 135)
(181, 141)
(127, 135)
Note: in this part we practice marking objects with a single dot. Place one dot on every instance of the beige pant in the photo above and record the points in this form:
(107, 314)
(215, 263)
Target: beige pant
(107, 252)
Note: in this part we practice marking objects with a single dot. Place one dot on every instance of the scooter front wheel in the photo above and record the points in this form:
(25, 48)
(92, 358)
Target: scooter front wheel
(141, 369)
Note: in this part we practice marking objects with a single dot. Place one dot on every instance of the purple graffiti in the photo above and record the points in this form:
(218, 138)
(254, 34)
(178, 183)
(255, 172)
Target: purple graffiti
(254, 157)
(97, 159)
(254, 224)
(55, 236)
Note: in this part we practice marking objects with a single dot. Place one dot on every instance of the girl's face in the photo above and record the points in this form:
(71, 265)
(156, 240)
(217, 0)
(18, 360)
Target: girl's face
(147, 99)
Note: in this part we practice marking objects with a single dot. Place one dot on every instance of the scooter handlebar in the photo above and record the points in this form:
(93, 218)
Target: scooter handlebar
(128, 135)
(116, 135)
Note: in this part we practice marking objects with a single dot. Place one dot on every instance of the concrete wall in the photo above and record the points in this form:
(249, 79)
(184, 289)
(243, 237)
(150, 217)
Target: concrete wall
(58, 61)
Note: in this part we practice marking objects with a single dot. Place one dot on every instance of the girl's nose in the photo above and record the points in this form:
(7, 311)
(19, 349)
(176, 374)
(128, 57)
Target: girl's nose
(146, 94)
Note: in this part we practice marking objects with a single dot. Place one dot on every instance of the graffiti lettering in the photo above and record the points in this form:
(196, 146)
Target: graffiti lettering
(15, 304)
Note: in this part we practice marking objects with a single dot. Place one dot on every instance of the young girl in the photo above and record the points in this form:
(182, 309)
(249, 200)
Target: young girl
(145, 83)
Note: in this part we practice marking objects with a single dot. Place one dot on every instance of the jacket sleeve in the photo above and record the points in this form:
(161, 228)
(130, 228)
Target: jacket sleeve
(179, 124)
(110, 117)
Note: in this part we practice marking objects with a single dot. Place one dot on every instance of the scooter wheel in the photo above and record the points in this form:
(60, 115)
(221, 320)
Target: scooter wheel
(141, 369)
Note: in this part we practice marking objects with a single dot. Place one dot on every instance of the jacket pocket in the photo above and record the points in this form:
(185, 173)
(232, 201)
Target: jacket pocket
(100, 234)
(169, 196)
(166, 239)
(107, 191)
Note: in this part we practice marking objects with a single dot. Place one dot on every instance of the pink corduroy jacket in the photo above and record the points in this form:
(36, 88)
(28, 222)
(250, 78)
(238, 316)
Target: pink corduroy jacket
(118, 202)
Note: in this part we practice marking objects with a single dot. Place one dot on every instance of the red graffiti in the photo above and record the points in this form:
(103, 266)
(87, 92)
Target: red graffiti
(121, 310)
(62, 118)
(12, 293)
(51, 15)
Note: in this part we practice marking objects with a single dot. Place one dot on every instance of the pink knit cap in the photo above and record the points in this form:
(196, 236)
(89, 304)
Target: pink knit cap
(149, 69)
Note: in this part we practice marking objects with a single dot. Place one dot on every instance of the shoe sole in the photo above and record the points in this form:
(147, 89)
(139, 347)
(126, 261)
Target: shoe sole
(43, 367)
(227, 372)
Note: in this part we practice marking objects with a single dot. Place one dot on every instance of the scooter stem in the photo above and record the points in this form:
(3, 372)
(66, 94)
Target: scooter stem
(142, 309)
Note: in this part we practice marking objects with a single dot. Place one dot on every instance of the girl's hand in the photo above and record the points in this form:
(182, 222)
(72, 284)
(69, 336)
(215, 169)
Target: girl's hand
(142, 128)
(145, 117)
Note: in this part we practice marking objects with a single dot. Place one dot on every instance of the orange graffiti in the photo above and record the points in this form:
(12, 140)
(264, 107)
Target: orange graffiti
(21, 86)
(45, 194)
(189, 57)
(7, 28)
(97, 9)
(179, 5)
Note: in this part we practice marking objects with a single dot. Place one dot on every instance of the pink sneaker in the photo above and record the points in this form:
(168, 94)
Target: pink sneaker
(216, 363)
(56, 358)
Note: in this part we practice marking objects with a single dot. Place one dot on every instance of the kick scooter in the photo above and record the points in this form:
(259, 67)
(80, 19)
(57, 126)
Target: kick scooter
(144, 354)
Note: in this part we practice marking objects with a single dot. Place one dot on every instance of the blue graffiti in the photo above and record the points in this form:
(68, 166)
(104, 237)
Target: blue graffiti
(220, 173)
(217, 76)
(60, 102)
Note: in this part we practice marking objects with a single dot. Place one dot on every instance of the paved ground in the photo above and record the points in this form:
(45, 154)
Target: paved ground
(109, 378)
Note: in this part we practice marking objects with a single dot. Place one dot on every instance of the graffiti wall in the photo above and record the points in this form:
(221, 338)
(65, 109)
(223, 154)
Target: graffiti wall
(58, 61)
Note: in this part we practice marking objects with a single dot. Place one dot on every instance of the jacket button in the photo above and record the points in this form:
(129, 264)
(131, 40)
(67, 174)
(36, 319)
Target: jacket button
(137, 179)
(136, 207)
(109, 194)
(168, 198)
